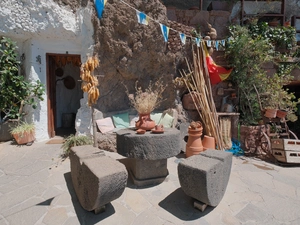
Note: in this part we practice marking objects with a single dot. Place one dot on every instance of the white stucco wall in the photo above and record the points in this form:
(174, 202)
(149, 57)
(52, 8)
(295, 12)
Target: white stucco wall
(40, 27)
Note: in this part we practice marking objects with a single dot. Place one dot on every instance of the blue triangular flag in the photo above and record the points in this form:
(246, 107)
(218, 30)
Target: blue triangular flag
(217, 45)
(99, 4)
(182, 38)
(197, 41)
(142, 17)
(223, 43)
(165, 31)
(208, 43)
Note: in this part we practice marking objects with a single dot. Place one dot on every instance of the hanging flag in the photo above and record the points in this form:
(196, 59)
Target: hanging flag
(216, 73)
(223, 42)
(217, 45)
(142, 17)
(208, 43)
(165, 31)
(99, 4)
(182, 38)
(197, 41)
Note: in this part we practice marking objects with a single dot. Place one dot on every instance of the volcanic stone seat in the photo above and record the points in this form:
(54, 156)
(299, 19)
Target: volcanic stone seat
(204, 177)
(97, 179)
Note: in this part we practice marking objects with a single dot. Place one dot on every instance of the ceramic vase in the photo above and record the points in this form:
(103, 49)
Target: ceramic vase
(145, 122)
(194, 143)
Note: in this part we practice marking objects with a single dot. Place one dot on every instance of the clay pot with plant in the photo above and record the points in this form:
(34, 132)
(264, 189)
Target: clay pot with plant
(145, 101)
(15, 91)
(24, 133)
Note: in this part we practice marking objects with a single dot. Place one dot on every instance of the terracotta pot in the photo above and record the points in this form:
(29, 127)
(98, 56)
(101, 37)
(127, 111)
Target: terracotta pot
(24, 138)
(194, 143)
(187, 101)
(281, 113)
(208, 142)
(145, 122)
(270, 113)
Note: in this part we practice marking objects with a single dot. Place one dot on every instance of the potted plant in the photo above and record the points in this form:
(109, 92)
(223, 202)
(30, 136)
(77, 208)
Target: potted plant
(145, 102)
(279, 98)
(15, 91)
(24, 133)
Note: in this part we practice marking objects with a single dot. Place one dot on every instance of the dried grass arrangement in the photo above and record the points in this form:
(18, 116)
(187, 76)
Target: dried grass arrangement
(146, 101)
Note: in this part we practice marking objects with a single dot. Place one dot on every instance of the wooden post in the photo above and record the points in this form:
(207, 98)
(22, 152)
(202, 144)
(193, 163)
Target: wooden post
(94, 126)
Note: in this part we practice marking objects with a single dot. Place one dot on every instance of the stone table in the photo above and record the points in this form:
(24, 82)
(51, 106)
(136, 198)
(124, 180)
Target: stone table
(148, 153)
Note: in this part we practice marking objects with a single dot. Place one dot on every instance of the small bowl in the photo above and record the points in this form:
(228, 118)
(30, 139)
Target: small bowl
(140, 131)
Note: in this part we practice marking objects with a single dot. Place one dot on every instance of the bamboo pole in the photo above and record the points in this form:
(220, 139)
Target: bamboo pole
(198, 84)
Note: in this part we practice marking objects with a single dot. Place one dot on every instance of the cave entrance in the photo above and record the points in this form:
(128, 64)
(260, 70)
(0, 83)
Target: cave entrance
(63, 93)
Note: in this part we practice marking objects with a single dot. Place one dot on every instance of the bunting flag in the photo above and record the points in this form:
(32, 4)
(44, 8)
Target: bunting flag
(142, 17)
(208, 43)
(216, 73)
(197, 41)
(165, 31)
(217, 45)
(182, 38)
(99, 4)
(223, 42)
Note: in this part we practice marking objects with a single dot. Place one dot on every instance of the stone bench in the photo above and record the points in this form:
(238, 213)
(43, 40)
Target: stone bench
(97, 179)
(204, 177)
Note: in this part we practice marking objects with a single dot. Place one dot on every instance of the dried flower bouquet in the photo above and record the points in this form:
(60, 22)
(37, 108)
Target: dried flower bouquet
(146, 101)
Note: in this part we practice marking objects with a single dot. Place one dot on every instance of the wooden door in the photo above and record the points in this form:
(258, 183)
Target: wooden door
(51, 94)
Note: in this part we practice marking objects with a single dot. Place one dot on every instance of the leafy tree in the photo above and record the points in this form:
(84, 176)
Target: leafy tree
(15, 91)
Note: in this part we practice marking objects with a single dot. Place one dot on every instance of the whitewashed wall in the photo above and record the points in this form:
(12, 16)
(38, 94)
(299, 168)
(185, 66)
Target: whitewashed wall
(40, 27)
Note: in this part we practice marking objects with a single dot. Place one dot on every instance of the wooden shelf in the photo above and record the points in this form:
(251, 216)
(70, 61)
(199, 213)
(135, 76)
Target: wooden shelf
(280, 16)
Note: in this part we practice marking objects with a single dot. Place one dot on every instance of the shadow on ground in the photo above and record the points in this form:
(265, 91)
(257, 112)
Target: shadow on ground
(86, 217)
(180, 205)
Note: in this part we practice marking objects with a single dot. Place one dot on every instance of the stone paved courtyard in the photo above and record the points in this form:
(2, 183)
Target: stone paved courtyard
(36, 188)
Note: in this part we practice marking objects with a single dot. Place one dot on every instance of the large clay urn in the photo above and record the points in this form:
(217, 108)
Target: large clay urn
(145, 122)
(194, 143)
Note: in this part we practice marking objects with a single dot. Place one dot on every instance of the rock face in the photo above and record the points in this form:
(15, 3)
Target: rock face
(131, 52)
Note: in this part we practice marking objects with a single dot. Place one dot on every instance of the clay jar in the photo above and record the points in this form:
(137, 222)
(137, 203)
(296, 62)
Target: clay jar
(159, 127)
(208, 142)
(194, 143)
(145, 122)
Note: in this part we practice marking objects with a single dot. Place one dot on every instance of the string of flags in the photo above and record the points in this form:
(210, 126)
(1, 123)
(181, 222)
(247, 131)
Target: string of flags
(142, 18)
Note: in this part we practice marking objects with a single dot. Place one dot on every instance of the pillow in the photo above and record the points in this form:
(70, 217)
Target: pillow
(121, 120)
(167, 121)
(156, 117)
(133, 119)
(105, 125)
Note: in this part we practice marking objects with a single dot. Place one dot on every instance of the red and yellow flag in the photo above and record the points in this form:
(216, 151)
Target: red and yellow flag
(216, 73)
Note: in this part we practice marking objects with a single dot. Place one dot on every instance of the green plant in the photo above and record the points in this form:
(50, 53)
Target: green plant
(247, 55)
(279, 37)
(22, 128)
(15, 91)
(72, 141)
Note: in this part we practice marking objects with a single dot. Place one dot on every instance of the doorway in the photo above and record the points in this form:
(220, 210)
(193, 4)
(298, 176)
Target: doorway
(63, 93)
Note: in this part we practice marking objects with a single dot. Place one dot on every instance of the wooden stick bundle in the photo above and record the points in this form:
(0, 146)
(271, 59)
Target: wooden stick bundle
(198, 84)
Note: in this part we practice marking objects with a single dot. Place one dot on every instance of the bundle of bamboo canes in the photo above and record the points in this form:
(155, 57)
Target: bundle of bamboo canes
(197, 81)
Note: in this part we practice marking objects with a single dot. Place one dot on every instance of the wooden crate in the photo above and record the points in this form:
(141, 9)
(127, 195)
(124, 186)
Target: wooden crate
(286, 150)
